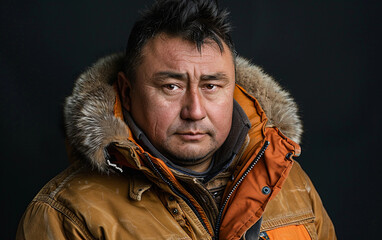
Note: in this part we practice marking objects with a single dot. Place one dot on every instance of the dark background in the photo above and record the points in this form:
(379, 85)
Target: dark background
(326, 53)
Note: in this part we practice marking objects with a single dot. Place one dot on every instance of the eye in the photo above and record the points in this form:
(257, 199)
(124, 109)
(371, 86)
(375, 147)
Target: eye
(210, 86)
(171, 87)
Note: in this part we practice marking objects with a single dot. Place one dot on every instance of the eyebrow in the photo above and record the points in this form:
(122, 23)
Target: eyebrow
(168, 74)
(183, 76)
(215, 76)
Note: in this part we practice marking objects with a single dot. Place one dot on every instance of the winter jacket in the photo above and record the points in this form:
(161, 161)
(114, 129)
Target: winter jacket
(115, 189)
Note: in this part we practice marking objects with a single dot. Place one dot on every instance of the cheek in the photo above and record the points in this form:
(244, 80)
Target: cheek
(157, 116)
(161, 121)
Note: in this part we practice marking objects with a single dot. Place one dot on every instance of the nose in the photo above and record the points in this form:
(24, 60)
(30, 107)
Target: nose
(193, 106)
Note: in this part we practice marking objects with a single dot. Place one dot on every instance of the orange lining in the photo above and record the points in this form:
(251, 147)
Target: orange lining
(291, 232)
(117, 105)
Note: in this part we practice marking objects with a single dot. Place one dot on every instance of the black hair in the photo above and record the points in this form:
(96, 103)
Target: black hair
(193, 20)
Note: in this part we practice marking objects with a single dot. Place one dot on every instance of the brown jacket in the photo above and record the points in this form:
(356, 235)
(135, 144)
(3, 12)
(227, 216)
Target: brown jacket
(116, 190)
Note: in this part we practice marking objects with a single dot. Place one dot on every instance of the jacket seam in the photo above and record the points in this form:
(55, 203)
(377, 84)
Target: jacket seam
(302, 218)
(46, 199)
(63, 182)
(311, 231)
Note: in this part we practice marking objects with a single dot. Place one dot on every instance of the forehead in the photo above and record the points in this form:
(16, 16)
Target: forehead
(173, 50)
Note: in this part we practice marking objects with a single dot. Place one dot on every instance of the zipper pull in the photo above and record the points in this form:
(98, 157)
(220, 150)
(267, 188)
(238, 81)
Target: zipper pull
(264, 236)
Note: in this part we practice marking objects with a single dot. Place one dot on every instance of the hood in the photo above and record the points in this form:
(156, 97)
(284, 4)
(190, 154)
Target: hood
(91, 124)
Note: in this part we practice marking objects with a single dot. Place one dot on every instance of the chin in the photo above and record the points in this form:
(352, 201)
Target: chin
(190, 157)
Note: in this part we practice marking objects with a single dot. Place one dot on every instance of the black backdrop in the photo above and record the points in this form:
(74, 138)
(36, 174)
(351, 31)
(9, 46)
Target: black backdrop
(326, 53)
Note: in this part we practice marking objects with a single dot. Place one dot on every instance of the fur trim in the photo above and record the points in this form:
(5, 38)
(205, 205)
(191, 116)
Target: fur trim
(278, 105)
(89, 112)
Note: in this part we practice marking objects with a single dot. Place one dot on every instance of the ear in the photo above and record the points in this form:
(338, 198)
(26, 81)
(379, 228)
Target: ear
(124, 87)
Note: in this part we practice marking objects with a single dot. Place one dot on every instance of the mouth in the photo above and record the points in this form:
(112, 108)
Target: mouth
(192, 136)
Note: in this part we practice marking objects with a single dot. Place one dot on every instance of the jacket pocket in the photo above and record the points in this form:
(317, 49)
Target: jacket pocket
(292, 226)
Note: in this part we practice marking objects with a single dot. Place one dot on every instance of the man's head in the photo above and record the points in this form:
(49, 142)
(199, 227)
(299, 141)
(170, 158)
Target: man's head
(193, 20)
(180, 86)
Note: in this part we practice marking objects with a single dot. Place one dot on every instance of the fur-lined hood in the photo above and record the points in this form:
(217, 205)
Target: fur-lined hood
(89, 112)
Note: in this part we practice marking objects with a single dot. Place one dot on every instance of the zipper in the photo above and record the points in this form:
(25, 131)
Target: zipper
(177, 192)
(257, 158)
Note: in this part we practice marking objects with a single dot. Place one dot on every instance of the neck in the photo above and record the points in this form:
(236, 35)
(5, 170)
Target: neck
(200, 167)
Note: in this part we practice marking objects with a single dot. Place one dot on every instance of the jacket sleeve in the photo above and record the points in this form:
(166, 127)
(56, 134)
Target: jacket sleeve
(323, 224)
(42, 221)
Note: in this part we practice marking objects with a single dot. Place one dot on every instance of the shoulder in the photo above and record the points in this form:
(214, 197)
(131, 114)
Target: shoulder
(78, 182)
(67, 203)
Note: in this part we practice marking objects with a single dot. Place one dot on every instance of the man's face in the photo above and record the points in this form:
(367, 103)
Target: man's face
(183, 99)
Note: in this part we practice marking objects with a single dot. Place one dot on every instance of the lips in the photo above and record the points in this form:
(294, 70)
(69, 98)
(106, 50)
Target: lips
(192, 136)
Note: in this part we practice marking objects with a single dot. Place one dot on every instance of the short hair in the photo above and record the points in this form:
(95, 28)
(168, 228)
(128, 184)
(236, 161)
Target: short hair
(193, 20)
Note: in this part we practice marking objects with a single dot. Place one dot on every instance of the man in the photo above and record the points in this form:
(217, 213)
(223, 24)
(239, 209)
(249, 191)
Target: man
(179, 139)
